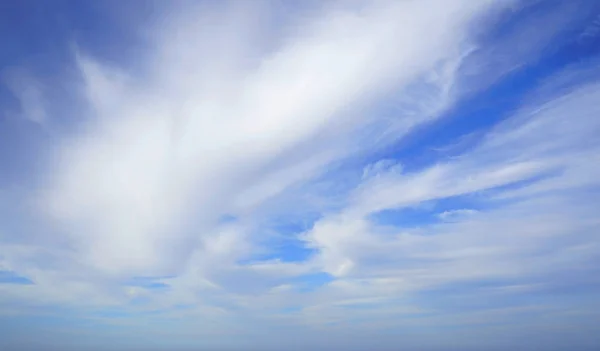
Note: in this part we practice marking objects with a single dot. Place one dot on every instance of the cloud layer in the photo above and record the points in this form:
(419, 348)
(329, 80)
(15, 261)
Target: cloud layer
(266, 168)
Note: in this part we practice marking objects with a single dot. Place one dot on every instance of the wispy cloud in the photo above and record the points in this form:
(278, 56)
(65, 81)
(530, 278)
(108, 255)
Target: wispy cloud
(223, 133)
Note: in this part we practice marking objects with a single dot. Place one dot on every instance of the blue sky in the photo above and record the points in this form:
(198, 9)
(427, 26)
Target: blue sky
(268, 175)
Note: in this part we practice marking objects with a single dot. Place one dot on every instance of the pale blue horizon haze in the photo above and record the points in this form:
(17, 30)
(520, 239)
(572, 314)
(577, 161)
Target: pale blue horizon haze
(285, 175)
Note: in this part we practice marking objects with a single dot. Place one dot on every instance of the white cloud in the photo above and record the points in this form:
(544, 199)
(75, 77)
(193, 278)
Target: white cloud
(204, 135)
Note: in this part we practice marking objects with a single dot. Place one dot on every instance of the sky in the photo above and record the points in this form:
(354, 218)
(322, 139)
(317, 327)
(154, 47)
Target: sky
(285, 175)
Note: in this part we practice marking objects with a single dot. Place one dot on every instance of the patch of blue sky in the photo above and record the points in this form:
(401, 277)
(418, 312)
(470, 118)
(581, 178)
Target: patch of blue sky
(523, 183)
(150, 283)
(12, 210)
(310, 282)
(501, 195)
(8, 277)
(435, 211)
(285, 243)
(577, 14)
(292, 226)
(473, 114)
(425, 214)
(13, 133)
(44, 53)
(101, 29)
(291, 250)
